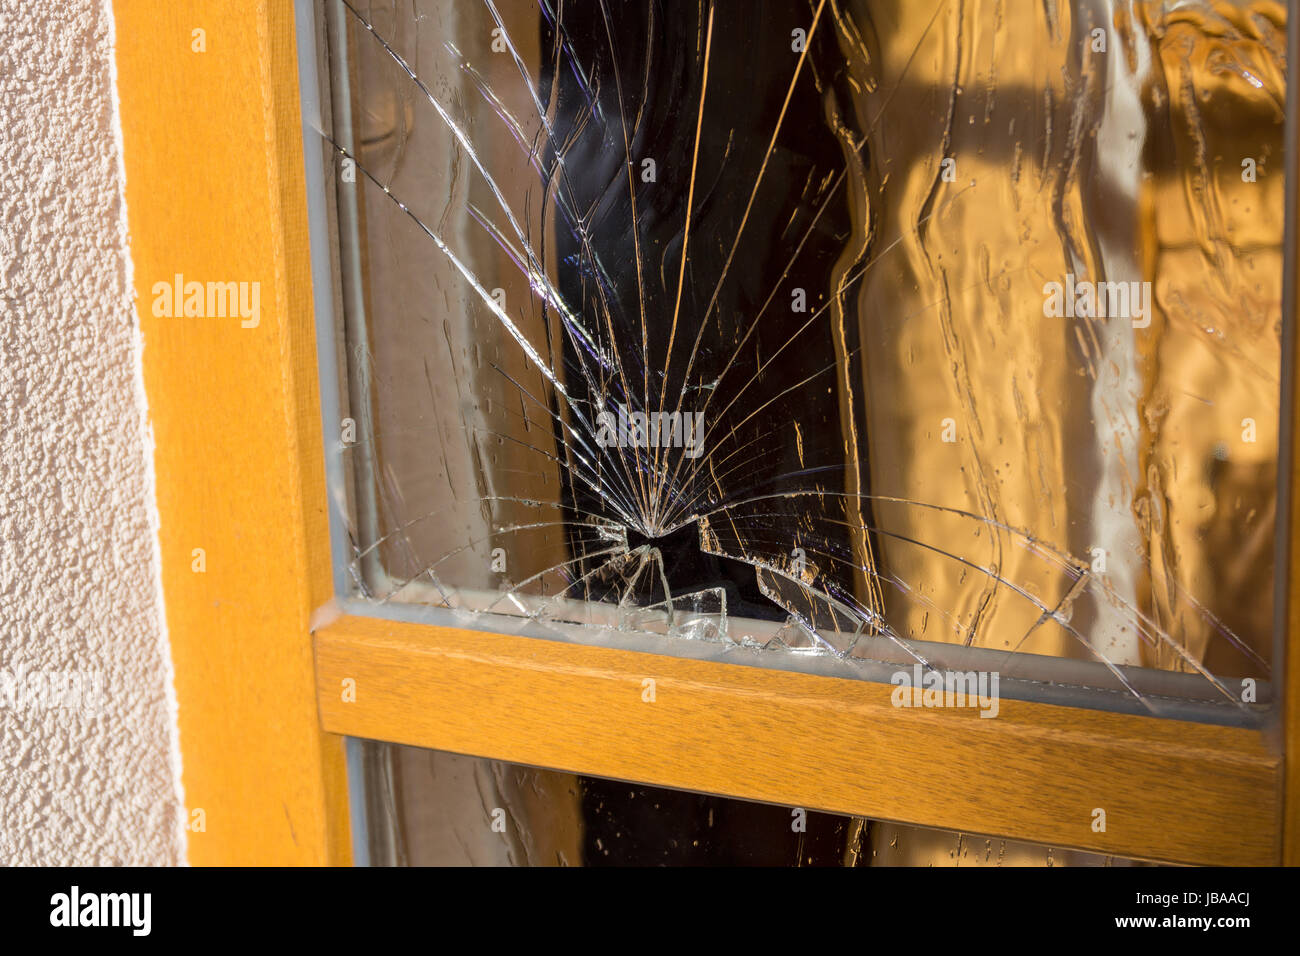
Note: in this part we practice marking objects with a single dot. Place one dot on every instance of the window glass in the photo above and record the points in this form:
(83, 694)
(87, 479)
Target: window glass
(915, 335)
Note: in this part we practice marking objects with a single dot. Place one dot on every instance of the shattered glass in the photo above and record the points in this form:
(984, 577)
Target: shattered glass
(861, 330)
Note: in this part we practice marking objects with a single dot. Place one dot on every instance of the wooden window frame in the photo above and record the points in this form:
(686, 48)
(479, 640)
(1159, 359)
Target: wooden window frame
(215, 190)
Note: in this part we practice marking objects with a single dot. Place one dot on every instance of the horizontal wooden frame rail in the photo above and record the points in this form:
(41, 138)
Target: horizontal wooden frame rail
(1171, 790)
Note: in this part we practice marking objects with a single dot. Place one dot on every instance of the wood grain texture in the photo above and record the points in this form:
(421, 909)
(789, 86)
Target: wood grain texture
(1171, 790)
(214, 190)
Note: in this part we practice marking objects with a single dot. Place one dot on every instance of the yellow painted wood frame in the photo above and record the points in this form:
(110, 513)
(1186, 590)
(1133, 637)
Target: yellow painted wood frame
(215, 192)
(212, 144)
(1171, 790)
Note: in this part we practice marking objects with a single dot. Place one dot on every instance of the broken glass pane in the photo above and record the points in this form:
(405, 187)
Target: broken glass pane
(868, 331)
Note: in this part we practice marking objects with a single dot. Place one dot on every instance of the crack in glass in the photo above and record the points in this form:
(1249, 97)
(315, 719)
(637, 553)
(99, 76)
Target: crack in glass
(838, 328)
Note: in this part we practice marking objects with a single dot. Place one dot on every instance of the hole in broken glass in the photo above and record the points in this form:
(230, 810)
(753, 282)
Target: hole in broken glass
(764, 326)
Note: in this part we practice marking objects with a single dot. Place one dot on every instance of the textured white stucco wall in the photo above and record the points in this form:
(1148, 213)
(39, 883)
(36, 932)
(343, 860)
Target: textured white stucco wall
(79, 598)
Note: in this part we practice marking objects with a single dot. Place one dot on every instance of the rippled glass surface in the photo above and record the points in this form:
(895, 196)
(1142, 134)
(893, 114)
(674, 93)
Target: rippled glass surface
(868, 330)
